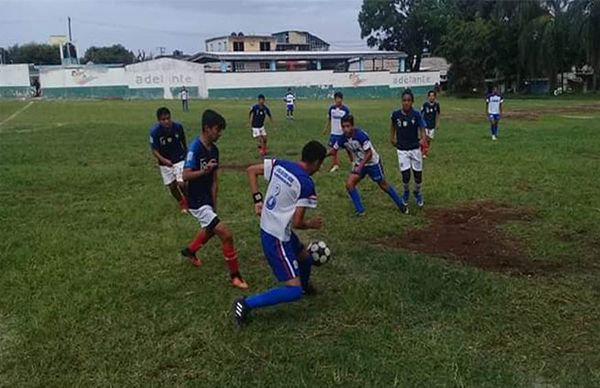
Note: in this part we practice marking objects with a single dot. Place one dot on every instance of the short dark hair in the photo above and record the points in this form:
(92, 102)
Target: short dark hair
(313, 151)
(338, 94)
(162, 111)
(261, 96)
(210, 118)
(432, 92)
(348, 119)
(408, 92)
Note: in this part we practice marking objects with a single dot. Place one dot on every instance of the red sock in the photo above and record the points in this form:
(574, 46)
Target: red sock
(231, 259)
(334, 158)
(198, 241)
(183, 203)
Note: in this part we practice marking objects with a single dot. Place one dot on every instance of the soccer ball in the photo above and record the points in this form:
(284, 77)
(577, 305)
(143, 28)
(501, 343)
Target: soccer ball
(320, 252)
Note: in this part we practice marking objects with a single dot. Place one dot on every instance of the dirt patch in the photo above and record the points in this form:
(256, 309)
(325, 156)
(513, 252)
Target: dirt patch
(523, 185)
(470, 235)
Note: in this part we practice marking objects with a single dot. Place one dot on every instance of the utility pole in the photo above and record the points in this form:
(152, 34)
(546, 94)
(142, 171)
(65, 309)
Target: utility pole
(69, 23)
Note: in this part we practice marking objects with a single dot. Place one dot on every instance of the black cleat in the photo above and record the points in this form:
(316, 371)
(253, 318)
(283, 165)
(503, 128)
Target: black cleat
(240, 312)
(185, 252)
(309, 290)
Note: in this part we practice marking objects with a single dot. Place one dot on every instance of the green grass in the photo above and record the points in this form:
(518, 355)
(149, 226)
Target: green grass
(93, 293)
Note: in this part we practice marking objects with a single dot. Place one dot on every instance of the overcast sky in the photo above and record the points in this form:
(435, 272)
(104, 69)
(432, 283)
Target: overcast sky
(176, 24)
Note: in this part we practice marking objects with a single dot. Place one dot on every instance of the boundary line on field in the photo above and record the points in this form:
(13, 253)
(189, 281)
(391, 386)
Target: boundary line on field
(18, 112)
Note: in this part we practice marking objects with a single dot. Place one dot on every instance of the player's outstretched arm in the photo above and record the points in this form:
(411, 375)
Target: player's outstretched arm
(327, 128)
(254, 172)
(298, 222)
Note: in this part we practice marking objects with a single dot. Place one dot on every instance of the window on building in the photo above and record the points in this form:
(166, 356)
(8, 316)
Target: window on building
(265, 46)
(238, 46)
(219, 46)
(265, 65)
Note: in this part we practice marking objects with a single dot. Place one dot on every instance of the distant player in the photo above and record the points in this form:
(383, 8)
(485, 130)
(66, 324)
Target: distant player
(168, 145)
(256, 118)
(290, 103)
(407, 126)
(290, 192)
(493, 104)
(431, 113)
(365, 162)
(185, 96)
(201, 173)
(334, 126)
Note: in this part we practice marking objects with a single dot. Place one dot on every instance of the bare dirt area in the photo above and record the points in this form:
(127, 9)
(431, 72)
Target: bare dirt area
(470, 235)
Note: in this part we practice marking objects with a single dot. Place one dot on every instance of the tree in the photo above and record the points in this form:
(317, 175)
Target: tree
(110, 54)
(412, 26)
(467, 46)
(585, 33)
(38, 54)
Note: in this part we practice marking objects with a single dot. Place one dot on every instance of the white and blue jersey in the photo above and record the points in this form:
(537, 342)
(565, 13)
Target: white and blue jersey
(494, 100)
(290, 99)
(358, 145)
(289, 187)
(335, 115)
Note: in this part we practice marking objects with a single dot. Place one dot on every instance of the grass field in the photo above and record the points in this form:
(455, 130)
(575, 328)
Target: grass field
(93, 292)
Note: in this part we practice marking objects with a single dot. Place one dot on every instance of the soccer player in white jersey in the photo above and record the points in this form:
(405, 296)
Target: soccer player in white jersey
(334, 126)
(290, 103)
(493, 104)
(290, 192)
(365, 162)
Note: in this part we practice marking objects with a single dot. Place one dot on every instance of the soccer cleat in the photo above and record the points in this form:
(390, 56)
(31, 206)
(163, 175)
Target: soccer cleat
(238, 282)
(419, 199)
(494, 137)
(309, 290)
(240, 312)
(196, 262)
(403, 208)
(334, 168)
(359, 214)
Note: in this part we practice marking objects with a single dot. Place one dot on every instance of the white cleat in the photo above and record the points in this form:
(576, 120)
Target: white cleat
(334, 168)
(494, 137)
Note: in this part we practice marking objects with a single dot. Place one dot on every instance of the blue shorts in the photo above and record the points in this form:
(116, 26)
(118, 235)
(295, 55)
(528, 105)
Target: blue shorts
(374, 172)
(282, 255)
(334, 139)
(494, 116)
(290, 108)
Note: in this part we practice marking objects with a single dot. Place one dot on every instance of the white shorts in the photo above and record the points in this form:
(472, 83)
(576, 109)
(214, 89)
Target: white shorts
(170, 174)
(205, 215)
(411, 159)
(256, 132)
(430, 132)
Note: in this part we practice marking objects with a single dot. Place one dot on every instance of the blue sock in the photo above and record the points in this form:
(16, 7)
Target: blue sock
(492, 129)
(391, 191)
(273, 296)
(305, 267)
(496, 129)
(356, 200)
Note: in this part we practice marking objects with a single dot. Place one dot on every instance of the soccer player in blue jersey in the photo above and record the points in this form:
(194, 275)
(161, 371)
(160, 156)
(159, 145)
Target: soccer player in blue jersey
(431, 114)
(407, 132)
(256, 118)
(493, 104)
(168, 146)
(290, 103)
(334, 126)
(201, 173)
(365, 162)
(290, 192)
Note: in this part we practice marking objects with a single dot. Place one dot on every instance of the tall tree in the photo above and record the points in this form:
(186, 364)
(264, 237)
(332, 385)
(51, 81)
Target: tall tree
(585, 33)
(38, 54)
(412, 26)
(110, 54)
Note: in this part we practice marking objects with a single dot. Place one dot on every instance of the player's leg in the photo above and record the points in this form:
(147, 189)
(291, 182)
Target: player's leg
(282, 259)
(496, 124)
(178, 171)
(352, 191)
(208, 221)
(230, 254)
(171, 177)
(264, 143)
(257, 135)
(292, 112)
(492, 125)
(377, 175)
(335, 165)
(305, 262)
(417, 168)
(405, 163)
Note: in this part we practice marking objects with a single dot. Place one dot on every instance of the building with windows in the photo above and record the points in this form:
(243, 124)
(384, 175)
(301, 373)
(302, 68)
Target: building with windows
(294, 40)
(241, 43)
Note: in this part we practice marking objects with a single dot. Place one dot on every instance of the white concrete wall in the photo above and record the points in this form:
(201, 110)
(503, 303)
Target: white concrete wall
(14, 75)
(166, 73)
(81, 76)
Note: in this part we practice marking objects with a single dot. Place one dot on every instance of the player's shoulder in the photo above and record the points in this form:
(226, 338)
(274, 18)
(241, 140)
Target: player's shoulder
(416, 112)
(195, 145)
(361, 135)
(345, 108)
(155, 129)
(177, 125)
